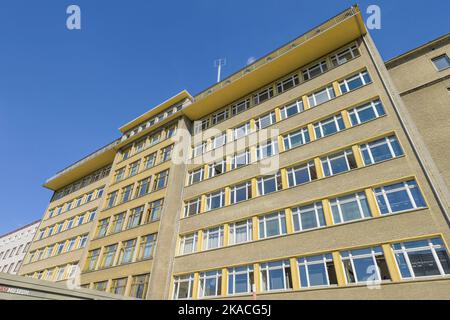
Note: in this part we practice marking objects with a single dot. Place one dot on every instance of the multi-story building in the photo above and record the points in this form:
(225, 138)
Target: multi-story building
(302, 171)
(13, 247)
(60, 241)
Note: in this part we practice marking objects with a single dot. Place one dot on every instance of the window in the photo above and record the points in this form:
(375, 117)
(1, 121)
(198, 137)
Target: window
(126, 252)
(241, 192)
(272, 225)
(329, 126)
(108, 256)
(154, 210)
(316, 271)
(269, 184)
(69, 226)
(339, 162)
(240, 159)
(192, 207)
(380, 150)
(134, 168)
(349, 208)
(355, 82)
(126, 153)
(267, 150)
(83, 241)
(50, 251)
(296, 138)
(210, 284)
(188, 243)
(92, 259)
(80, 220)
(161, 180)
(78, 201)
(213, 238)
(119, 174)
(220, 116)
(422, 258)
(102, 227)
(199, 149)
(240, 106)
(155, 138)
(240, 280)
(292, 109)
(263, 95)
(139, 286)
(215, 200)
(365, 265)
(241, 131)
(315, 70)
(265, 121)
(321, 96)
(301, 174)
(126, 193)
(92, 215)
(201, 125)
(59, 248)
(287, 84)
(111, 199)
(196, 176)
(399, 197)
(118, 286)
(308, 217)
(344, 56)
(183, 286)
(60, 274)
(100, 193)
(166, 153)
(50, 213)
(139, 146)
(276, 276)
(150, 160)
(146, 247)
(135, 217)
(366, 112)
(217, 168)
(143, 187)
(241, 232)
(171, 131)
(441, 62)
(219, 141)
(118, 222)
(100, 286)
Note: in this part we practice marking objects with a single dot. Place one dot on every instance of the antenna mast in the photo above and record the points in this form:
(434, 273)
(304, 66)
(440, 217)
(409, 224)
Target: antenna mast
(218, 64)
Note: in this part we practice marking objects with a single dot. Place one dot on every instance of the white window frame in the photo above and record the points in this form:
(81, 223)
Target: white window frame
(200, 171)
(379, 142)
(241, 131)
(260, 154)
(189, 237)
(322, 66)
(338, 202)
(247, 225)
(234, 189)
(355, 111)
(312, 98)
(257, 96)
(209, 198)
(293, 170)
(328, 159)
(278, 216)
(406, 187)
(196, 201)
(176, 287)
(337, 59)
(260, 183)
(234, 161)
(281, 85)
(208, 233)
(298, 211)
(303, 261)
(235, 109)
(351, 258)
(233, 272)
(298, 105)
(321, 123)
(270, 116)
(265, 268)
(359, 75)
(204, 276)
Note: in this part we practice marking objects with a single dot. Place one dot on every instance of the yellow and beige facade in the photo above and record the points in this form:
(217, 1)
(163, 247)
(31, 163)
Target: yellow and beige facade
(304, 177)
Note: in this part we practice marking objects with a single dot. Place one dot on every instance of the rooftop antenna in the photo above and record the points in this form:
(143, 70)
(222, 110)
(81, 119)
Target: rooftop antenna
(218, 64)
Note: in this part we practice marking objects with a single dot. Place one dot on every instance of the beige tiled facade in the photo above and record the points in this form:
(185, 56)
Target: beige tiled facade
(331, 206)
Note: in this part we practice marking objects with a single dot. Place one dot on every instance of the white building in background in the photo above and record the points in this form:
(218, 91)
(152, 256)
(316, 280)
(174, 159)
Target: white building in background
(14, 246)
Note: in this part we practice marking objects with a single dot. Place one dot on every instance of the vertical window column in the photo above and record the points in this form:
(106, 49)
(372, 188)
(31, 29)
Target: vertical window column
(319, 168)
(255, 230)
(135, 254)
(346, 119)
(227, 196)
(295, 274)
(199, 241)
(311, 132)
(337, 88)
(203, 203)
(128, 286)
(226, 236)
(372, 203)
(391, 264)
(327, 212)
(305, 102)
(289, 224)
(195, 286)
(256, 276)
(224, 284)
(338, 266)
(358, 157)
(284, 179)
(277, 114)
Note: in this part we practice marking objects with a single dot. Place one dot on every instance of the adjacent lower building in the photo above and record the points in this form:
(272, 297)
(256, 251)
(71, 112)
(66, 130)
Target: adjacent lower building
(305, 175)
(13, 247)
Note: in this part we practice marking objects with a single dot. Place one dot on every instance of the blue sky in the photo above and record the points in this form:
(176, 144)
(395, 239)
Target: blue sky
(63, 94)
